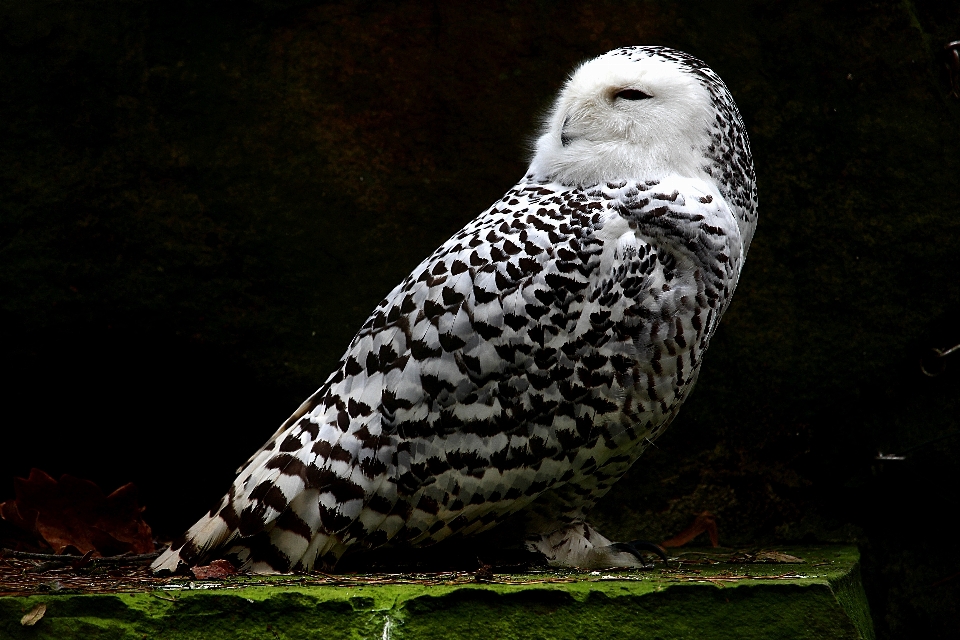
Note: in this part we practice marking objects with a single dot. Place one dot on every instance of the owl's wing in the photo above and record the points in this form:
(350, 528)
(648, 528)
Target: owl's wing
(495, 409)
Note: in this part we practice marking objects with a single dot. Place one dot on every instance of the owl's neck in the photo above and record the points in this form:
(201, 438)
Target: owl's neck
(585, 162)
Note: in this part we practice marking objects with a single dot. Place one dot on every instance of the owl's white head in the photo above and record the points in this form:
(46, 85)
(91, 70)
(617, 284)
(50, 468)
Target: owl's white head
(633, 113)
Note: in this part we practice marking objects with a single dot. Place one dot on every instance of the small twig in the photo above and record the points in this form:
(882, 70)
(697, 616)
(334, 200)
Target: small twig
(932, 364)
(48, 565)
(947, 579)
(64, 558)
(952, 51)
(24, 555)
(157, 595)
(903, 456)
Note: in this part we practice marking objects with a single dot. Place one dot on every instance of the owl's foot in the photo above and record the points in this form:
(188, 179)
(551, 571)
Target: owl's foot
(579, 545)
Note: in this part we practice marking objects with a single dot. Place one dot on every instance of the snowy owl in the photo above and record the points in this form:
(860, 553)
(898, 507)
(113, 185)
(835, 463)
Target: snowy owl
(523, 367)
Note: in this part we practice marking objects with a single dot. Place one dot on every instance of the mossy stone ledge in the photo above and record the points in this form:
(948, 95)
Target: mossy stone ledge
(797, 592)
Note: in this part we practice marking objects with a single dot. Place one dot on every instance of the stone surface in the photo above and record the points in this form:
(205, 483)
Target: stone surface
(711, 594)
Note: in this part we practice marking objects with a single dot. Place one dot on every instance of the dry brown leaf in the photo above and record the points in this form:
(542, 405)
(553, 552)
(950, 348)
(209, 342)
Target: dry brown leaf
(214, 571)
(33, 616)
(703, 522)
(74, 513)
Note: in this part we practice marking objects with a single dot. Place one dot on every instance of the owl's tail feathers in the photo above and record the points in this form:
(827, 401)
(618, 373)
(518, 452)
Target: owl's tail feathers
(209, 534)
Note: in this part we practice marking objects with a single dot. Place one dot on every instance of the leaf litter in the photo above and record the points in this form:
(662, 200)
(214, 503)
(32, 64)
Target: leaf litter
(103, 545)
(73, 515)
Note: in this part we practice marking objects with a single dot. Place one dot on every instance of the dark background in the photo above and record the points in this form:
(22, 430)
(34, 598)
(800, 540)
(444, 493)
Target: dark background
(200, 203)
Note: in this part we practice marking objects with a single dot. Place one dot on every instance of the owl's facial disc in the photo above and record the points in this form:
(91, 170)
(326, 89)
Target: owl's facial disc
(626, 118)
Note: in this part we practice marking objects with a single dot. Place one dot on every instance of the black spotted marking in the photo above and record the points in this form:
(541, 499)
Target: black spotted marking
(409, 305)
(290, 521)
(344, 491)
(450, 342)
(309, 427)
(536, 312)
(352, 367)
(539, 382)
(291, 443)
(270, 495)
(503, 283)
(472, 363)
(333, 520)
(482, 296)
(531, 249)
(697, 325)
(529, 266)
(371, 467)
(230, 516)
(287, 464)
(391, 403)
(252, 519)
(546, 296)
(372, 363)
(668, 198)
(432, 309)
(358, 409)
(367, 439)
(466, 460)
(511, 248)
(433, 386)
(380, 504)
(338, 453)
(515, 322)
(567, 284)
(429, 505)
(420, 351)
(386, 356)
(678, 337)
(508, 352)
(595, 361)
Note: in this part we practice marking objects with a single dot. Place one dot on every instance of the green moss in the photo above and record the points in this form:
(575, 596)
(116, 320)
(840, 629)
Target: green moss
(820, 598)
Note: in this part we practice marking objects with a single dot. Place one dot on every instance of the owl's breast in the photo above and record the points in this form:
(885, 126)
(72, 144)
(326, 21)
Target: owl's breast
(670, 261)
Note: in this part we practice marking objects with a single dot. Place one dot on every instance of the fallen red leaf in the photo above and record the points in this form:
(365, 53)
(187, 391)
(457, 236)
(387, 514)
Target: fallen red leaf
(703, 522)
(215, 570)
(74, 513)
